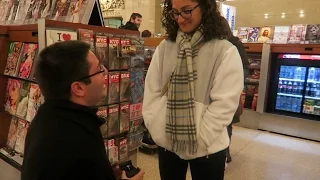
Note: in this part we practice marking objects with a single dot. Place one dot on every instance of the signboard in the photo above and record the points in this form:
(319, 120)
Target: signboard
(229, 12)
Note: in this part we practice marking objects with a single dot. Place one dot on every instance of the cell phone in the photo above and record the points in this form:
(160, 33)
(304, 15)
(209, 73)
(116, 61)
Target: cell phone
(130, 170)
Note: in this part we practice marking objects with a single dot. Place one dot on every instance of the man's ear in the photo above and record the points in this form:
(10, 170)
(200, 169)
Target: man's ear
(78, 89)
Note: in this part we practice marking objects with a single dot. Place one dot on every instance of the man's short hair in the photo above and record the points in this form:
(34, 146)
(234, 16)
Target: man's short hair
(146, 33)
(135, 15)
(59, 65)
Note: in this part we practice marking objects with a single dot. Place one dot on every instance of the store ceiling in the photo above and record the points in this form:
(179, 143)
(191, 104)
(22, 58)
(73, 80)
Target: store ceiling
(252, 12)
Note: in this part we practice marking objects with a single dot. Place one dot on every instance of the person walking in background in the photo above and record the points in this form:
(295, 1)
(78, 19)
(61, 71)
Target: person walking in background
(64, 141)
(245, 62)
(134, 22)
(146, 34)
(192, 91)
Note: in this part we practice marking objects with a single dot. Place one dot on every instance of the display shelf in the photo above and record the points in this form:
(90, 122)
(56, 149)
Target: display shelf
(10, 161)
(291, 95)
(253, 47)
(36, 33)
(152, 41)
(314, 98)
(296, 48)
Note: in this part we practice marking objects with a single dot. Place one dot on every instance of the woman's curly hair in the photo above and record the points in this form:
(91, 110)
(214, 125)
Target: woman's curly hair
(212, 25)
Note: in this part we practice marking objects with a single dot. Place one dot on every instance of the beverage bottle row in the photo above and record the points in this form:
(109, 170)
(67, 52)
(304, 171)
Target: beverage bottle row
(290, 87)
(292, 72)
(313, 90)
(285, 103)
(314, 74)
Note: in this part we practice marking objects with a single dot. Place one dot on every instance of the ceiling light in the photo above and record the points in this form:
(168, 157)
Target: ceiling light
(283, 16)
(301, 11)
(301, 15)
(283, 13)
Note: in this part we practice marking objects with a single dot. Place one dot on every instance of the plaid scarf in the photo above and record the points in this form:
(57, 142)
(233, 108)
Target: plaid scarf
(181, 127)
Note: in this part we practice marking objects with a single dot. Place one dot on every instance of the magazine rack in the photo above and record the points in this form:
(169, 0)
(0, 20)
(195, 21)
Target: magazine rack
(36, 33)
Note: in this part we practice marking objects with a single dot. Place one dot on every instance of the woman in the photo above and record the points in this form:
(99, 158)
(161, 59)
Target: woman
(192, 91)
(245, 62)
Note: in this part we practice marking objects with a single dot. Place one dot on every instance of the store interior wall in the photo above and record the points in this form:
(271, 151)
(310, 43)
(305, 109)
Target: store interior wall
(145, 7)
(252, 12)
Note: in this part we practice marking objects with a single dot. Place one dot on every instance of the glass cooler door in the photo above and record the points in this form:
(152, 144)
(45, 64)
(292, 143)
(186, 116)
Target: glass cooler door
(291, 84)
(311, 103)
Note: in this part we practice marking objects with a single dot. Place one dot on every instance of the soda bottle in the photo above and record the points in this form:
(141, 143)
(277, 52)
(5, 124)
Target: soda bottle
(289, 88)
(300, 88)
(278, 103)
(291, 72)
(311, 74)
(284, 87)
(294, 104)
(297, 73)
(282, 71)
(279, 86)
(313, 90)
(318, 90)
(308, 92)
(287, 72)
(295, 88)
(299, 105)
(317, 74)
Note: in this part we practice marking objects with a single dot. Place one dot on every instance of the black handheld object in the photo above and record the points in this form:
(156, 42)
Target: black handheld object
(129, 169)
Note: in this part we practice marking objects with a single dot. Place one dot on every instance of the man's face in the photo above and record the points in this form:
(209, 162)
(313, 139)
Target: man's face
(96, 90)
(137, 21)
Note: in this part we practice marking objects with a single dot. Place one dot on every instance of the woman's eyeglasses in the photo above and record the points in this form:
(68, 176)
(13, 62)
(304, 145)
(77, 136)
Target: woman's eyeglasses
(102, 69)
(186, 14)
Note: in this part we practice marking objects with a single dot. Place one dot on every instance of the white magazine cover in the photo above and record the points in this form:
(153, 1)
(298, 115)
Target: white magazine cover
(281, 34)
(53, 36)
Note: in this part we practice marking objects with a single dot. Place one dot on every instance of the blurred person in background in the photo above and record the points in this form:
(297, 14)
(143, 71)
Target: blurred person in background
(146, 34)
(134, 22)
(192, 91)
(245, 63)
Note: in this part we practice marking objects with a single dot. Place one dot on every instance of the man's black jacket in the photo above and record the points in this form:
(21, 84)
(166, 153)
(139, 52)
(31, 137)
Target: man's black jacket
(64, 143)
(130, 26)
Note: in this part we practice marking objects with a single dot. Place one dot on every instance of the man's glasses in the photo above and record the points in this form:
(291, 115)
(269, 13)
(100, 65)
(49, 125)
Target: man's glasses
(186, 14)
(102, 69)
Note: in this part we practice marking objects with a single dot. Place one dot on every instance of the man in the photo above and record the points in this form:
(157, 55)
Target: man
(64, 141)
(134, 22)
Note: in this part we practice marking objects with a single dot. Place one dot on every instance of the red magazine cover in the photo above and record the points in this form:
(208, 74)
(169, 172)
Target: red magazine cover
(114, 87)
(135, 111)
(86, 35)
(114, 53)
(124, 117)
(103, 113)
(101, 48)
(125, 86)
(113, 151)
(123, 149)
(27, 58)
(113, 120)
(12, 96)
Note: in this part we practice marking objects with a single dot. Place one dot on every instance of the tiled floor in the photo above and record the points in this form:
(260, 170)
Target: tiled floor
(260, 155)
(256, 155)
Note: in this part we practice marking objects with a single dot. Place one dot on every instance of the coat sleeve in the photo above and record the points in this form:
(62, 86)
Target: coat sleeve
(225, 95)
(152, 89)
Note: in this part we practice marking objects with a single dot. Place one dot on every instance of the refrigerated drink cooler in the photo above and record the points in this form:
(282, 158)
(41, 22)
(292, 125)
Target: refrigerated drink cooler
(295, 86)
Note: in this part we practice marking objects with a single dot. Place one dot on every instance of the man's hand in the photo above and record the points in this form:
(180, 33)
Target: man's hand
(139, 176)
(116, 171)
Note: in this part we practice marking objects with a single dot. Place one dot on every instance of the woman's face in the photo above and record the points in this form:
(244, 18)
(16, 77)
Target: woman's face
(265, 33)
(191, 11)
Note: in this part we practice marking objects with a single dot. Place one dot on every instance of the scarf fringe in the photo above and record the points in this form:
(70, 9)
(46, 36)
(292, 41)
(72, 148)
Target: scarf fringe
(191, 146)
